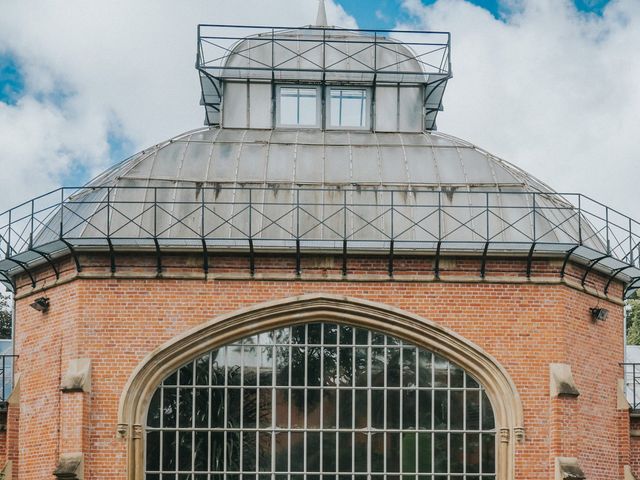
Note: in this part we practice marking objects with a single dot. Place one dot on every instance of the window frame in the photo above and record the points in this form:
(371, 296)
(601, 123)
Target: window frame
(367, 108)
(280, 124)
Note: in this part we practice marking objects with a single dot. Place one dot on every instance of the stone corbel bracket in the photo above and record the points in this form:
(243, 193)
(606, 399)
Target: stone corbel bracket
(562, 383)
(70, 467)
(77, 377)
(568, 469)
(6, 472)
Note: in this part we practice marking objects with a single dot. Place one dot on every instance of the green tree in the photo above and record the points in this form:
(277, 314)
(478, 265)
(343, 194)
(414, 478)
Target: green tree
(5, 316)
(633, 320)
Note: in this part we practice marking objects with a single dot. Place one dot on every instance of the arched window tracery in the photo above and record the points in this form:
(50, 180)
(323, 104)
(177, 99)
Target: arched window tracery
(324, 401)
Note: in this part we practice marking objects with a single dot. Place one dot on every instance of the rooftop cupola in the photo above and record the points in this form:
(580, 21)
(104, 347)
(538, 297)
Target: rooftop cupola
(321, 77)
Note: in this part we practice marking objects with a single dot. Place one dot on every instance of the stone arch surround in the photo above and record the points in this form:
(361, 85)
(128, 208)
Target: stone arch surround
(162, 361)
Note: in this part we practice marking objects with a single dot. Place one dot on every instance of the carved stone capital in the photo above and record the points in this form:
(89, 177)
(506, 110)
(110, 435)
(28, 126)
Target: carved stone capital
(136, 432)
(518, 432)
(122, 430)
(504, 435)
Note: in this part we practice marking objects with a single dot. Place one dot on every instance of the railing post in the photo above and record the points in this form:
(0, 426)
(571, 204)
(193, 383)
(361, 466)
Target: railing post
(108, 212)
(606, 216)
(633, 380)
(392, 208)
(534, 218)
(32, 215)
(155, 212)
(439, 216)
(579, 219)
(487, 214)
(250, 216)
(62, 212)
(630, 243)
(9, 248)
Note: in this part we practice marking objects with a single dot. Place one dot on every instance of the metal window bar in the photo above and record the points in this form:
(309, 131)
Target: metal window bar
(350, 364)
(7, 365)
(632, 385)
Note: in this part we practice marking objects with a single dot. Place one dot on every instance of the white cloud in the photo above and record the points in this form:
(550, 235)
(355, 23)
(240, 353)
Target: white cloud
(550, 89)
(125, 68)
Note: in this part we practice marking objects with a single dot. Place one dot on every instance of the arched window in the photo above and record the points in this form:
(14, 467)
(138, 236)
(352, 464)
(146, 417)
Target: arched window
(320, 401)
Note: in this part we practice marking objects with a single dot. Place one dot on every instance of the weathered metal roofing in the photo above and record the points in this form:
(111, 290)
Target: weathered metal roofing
(437, 186)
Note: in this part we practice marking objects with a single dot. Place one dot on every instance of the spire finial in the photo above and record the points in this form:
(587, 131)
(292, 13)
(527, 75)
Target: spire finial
(321, 19)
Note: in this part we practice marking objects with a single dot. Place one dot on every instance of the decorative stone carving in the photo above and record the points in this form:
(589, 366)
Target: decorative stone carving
(568, 469)
(518, 432)
(6, 472)
(122, 430)
(504, 435)
(78, 376)
(136, 432)
(562, 384)
(70, 467)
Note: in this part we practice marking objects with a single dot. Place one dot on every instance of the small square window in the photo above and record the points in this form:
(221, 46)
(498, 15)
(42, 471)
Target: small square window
(348, 108)
(298, 107)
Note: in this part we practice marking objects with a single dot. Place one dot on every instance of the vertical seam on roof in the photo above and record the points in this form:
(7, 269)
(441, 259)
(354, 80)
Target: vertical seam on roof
(235, 187)
(293, 179)
(176, 182)
(211, 159)
(469, 194)
(267, 157)
(503, 211)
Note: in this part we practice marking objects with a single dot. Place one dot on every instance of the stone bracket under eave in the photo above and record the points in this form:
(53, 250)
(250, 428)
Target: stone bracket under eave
(568, 469)
(70, 467)
(77, 377)
(562, 383)
(6, 473)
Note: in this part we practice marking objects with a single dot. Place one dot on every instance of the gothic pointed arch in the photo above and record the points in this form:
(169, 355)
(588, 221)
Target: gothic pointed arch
(166, 359)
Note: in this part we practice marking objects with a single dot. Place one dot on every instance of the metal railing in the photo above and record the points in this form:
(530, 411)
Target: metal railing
(7, 363)
(632, 385)
(367, 218)
(322, 50)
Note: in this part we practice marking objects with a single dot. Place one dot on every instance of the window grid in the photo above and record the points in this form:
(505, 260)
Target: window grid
(298, 390)
(350, 108)
(297, 113)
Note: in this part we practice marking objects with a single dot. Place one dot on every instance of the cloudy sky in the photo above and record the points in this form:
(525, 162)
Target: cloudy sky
(550, 85)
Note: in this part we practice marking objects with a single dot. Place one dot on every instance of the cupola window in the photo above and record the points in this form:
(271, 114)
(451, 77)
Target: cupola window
(298, 107)
(348, 108)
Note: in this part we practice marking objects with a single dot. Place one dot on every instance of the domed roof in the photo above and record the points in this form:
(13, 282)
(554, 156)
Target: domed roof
(273, 186)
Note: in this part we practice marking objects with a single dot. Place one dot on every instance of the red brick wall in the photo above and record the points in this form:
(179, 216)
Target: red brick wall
(525, 326)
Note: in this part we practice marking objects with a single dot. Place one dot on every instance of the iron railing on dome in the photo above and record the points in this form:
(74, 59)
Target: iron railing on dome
(632, 385)
(7, 363)
(372, 219)
(323, 51)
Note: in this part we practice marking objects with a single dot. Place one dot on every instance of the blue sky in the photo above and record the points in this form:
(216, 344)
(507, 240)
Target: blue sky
(70, 119)
(387, 12)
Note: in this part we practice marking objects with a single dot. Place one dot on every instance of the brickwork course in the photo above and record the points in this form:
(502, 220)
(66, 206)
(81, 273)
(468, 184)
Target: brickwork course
(116, 320)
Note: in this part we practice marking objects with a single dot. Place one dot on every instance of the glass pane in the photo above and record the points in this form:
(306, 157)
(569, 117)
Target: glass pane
(298, 106)
(348, 108)
(345, 401)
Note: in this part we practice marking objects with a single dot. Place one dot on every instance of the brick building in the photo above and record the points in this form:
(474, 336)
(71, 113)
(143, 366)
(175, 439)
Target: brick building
(318, 285)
